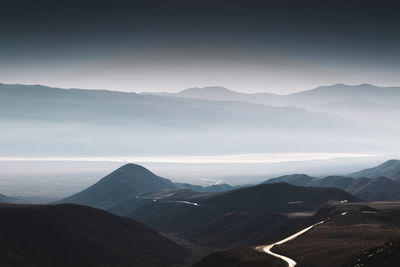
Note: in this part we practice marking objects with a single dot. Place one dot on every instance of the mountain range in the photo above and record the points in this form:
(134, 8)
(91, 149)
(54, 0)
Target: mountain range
(41, 103)
(390, 169)
(51, 121)
(200, 216)
(372, 105)
(362, 96)
(235, 220)
(370, 184)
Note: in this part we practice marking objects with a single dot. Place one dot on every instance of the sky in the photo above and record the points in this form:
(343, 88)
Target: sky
(248, 46)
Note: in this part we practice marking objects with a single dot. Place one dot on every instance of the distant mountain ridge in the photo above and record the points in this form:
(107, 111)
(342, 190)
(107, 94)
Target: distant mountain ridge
(390, 169)
(214, 93)
(146, 124)
(317, 97)
(365, 102)
(371, 184)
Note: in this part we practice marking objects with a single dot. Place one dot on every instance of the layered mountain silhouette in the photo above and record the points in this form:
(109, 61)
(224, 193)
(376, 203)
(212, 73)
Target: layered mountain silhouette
(147, 123)
(324, 97)
(360, 103)
(135, 192)
(378, 189)
(101, 106)
(73, 235)
(222, 219)
(221, 187)
(217, 93)
(390, 169)
(371, 189)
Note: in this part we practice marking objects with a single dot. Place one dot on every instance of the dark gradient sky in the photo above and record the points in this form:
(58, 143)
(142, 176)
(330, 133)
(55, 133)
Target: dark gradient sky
(251, 46)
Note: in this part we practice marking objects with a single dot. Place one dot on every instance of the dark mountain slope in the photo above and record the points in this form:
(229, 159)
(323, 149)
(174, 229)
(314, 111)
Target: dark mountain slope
(237, 217)
(352, 233)
(381, 188)
(210, 188)
(279, 197)
(5, 199)
(349, 230)
(72, 235)
(334, 181)
(243, 257)
(238, 229)
(378, 189)
(121, 186)
(387, 255)
(388, 169)
(294, 179)
(396, 177)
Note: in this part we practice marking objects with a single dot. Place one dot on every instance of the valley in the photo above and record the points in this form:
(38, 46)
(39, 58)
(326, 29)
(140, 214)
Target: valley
(276, 222)
(199, 133)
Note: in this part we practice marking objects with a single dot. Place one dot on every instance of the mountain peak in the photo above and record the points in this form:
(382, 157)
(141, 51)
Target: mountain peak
(207, 89)
(120, 186)
(131, 167)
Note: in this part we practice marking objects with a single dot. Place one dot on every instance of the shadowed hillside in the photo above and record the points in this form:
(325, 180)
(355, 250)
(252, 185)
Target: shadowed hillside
(236, 217)
(72, 235)
(348, 231)
(387, 255)
(389, 169)
(245, 257)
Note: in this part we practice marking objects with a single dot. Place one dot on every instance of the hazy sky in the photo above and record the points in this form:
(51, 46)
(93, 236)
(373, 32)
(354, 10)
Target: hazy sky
(280, 47)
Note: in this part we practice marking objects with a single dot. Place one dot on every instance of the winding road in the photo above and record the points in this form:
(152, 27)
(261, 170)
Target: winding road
(290, 262)
(155, 199)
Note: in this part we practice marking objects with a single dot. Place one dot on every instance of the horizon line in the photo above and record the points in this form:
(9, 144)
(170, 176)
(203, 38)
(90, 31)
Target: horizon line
(216, 86)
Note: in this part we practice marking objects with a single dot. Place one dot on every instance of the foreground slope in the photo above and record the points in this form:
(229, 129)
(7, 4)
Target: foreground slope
(347, 234)
(244, 257)
(348, 231)
(72, 235)
(387, 255)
